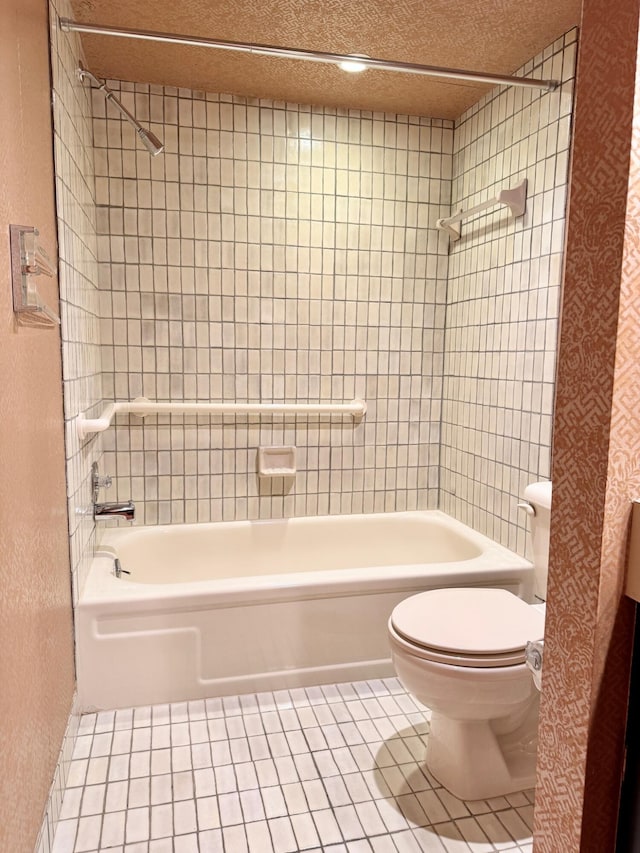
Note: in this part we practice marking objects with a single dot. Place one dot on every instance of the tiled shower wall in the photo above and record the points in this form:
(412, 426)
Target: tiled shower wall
(278, 252)
(274, 252)
(504, 300)
(79, 297)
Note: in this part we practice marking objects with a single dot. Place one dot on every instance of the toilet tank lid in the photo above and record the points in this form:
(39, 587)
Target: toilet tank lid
(539, 494)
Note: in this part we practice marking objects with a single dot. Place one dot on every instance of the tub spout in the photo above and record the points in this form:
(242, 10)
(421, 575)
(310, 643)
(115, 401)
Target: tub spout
(125, 510)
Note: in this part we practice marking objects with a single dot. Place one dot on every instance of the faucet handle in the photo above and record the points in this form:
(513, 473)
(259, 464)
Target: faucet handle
(98, 482)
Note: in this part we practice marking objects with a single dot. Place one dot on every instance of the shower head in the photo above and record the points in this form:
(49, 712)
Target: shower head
(148, 139)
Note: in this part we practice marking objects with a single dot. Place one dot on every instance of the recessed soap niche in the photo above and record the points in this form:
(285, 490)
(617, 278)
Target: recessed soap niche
(277, 461)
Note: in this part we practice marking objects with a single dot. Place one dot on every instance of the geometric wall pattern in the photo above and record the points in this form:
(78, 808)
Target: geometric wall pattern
(596, 450)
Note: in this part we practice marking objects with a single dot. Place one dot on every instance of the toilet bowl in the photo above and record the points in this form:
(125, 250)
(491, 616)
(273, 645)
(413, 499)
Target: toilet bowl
(461, 652)
(470, 671)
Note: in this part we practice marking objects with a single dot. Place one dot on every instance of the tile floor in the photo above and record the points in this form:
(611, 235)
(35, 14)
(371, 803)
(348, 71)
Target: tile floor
(334, 768)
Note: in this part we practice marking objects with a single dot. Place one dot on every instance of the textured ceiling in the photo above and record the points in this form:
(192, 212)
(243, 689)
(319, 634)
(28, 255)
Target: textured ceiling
(495, 36)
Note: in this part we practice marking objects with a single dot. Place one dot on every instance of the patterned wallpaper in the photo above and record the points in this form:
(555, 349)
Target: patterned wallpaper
(503, 300)
(596, 447)
(274, 252)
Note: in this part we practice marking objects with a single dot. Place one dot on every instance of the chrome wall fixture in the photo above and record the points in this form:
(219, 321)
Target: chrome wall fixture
(66, 25)
(148, 139)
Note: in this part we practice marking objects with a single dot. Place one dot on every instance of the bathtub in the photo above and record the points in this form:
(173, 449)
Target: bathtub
(235, 607)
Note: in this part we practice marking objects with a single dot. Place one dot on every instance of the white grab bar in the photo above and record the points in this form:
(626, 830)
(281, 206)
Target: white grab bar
(515, 199)
(142, 407)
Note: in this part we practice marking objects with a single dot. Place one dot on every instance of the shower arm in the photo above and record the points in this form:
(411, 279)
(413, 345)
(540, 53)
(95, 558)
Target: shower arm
(148, 139)
(101, 85)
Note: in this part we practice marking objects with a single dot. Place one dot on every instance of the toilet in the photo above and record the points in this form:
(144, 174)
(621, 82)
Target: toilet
(462, 653)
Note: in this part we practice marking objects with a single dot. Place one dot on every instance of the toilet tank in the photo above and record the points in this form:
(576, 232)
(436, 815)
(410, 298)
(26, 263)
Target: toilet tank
(538, 495)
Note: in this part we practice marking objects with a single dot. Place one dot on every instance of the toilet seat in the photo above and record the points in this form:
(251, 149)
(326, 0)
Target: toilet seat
(472, 627)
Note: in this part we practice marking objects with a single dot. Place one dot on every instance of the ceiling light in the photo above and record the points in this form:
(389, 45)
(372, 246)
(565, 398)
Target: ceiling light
(352, 65)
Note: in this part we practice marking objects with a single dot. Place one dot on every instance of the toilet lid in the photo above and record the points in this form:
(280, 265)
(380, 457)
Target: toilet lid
(491, 623)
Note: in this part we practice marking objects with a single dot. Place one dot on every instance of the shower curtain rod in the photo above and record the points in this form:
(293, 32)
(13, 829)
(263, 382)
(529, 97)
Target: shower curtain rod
(66, 25)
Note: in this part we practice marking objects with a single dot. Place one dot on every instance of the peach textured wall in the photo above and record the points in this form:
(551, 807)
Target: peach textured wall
(596, 451)
(615, 613)
(36, 661)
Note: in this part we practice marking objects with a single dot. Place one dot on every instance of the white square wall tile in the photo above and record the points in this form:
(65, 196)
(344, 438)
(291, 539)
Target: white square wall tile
(267, 177)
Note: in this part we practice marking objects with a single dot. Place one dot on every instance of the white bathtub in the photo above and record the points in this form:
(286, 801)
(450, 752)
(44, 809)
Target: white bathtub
(236, 607)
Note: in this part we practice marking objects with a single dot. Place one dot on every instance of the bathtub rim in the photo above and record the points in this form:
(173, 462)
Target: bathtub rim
(103, 588)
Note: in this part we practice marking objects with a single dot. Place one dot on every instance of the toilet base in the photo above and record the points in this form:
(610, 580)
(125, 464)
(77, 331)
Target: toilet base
(480, 759)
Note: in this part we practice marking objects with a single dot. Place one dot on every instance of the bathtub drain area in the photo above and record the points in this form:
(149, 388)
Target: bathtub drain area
(332, 768)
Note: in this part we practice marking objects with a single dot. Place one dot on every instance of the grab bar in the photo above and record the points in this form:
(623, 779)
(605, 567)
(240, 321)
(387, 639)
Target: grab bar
(515, 199)
(142, 407)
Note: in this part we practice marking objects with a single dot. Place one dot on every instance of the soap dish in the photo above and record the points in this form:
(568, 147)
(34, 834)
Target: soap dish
(276, 461)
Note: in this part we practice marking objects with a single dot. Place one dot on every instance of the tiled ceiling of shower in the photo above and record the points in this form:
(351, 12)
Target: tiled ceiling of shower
(484, 35)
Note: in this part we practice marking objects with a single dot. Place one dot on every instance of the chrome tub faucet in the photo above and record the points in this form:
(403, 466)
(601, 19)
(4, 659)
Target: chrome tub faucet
(117, 509)
(125, 509)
